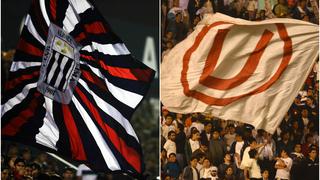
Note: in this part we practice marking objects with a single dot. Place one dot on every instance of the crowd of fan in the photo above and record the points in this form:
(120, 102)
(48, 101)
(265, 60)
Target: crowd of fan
(19, 163)
(179, 17)
(200, 146)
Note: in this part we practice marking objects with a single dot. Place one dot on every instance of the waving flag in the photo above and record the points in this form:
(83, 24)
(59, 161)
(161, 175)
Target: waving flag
(240, 70)
(73, 88)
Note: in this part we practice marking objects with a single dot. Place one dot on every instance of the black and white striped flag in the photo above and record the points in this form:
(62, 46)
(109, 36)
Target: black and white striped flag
(73, 87)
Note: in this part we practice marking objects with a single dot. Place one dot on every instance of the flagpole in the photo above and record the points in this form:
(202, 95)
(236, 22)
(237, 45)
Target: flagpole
(63, 161)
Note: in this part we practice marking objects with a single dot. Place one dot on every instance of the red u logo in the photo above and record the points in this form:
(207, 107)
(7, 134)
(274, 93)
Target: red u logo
(245, 73)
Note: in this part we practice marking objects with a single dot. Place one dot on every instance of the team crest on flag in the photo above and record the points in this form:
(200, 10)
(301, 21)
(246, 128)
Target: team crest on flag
(60, 69)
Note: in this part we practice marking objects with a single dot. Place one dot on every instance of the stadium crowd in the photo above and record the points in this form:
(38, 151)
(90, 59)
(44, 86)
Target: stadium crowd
(21, 162)
(200, 146)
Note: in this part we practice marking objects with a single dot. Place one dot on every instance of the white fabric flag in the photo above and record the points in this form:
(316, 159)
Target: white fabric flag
(240, 70)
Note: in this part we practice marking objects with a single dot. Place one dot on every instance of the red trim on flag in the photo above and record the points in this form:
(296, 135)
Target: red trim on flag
(87, 57)
(29, 48)
(130, 154)
(126, 73)
(94, 80)
(245, 73)
(16, 123)
(287, 54)
(53, 6)
(80, 37)
(142, 74)
(95, 28)
(76, 144)
(13, 83)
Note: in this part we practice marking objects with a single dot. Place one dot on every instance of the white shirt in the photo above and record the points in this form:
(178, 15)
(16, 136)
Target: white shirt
(206, 172)
(284, 173)
(199, 126)
(254, 169)
(86, 173)
(194, 174)
(166, 129)
(239, 146)
(170, 147)
(208, 136)
(267, 152)
(305, 121)
(194, 145)
(246, 161)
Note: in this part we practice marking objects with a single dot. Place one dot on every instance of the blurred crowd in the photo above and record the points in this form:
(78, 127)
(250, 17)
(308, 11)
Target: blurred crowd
(200, 146)
(179, 17)
(21, 162)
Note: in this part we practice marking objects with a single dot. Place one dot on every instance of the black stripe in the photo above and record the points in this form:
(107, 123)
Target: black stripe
(124, 165)
(51, 62)
(111, 122)
(93, 153)
(108, 97)
(65, 79)
(61, 9)
(56, 71)
(14, 111)
(63, 144)
(138, 87)
(30, 129)
(25, 57)
(28, 37)
(18, 89)
(21, 72)
(38, 20)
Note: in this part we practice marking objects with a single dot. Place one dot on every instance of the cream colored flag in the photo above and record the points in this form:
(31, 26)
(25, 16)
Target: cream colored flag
(240, 70)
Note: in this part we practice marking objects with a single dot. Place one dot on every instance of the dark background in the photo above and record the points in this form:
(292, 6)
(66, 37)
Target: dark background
(133, 22)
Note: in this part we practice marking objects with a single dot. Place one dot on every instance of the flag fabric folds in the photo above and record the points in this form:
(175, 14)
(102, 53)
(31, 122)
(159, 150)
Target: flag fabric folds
(240, 70)
(73, 87)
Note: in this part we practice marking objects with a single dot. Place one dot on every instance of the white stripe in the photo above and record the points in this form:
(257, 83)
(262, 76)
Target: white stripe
(111, 111)
(16, 65)
(33, 30)
(106, 152)
(68, 74)
(80, 5)
(111, 49)
(17, 99)
(49, 133)
(70, 20)
(44, 12)
(53, 68)
(60, 75)
(129, 98)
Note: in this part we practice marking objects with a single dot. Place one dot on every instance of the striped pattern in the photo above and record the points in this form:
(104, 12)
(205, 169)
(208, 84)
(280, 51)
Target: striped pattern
(94, 127)
(59, 72)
